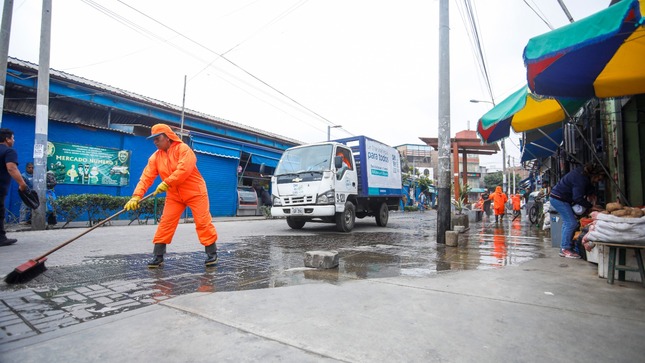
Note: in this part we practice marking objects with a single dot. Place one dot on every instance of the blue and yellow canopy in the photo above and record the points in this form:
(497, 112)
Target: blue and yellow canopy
(524, 111)
(602, 55)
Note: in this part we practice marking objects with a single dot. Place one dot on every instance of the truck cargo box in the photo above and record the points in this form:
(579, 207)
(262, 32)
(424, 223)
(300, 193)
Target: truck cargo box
(378, 167)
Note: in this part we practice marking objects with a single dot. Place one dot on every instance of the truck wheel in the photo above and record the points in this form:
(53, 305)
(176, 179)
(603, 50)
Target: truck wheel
(345, 220)
(383, 215)
(295, 223)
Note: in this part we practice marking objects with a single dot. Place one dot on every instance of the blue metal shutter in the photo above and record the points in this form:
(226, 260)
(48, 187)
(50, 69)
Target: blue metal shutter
(220, 174)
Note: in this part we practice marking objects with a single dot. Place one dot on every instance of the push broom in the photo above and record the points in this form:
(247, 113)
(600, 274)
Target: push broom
(36, 266)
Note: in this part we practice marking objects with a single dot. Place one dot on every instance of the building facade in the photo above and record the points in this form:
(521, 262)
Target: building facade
(97, 138)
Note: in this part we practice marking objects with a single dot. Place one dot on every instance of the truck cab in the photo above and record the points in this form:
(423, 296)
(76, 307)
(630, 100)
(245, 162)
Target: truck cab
(320, 183)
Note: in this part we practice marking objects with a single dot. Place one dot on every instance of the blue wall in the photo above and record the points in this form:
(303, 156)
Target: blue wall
(24, 129)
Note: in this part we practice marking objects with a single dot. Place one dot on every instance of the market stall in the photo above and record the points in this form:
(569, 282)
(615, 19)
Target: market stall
(617, 232)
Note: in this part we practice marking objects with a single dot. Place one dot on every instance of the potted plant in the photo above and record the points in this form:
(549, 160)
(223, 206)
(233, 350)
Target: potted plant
(459, 218)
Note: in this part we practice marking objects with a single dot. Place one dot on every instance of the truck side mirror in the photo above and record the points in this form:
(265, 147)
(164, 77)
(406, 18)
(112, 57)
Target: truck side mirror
(262, 167)
(338, 162)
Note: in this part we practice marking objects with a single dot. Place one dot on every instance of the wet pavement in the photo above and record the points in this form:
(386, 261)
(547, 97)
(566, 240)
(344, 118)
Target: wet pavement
(106, 284)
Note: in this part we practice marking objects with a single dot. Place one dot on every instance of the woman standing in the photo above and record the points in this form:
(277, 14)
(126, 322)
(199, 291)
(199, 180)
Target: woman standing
(574, 188)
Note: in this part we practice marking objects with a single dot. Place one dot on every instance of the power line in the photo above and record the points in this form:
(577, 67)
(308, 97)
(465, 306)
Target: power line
(481, 58)
(229, 61)
(539, 14)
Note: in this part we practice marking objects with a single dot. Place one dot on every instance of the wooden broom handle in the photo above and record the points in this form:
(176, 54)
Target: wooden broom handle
(89, 229)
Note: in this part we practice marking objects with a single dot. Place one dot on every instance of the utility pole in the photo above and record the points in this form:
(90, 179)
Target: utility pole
(42, 118)
(443, 187)
(5, 32)
(183, 106)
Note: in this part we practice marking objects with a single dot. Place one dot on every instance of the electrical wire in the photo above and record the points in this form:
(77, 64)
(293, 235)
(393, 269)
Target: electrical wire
(471, 17)
(229, 61)
(273, 21)
(149, 34)
(539, 13)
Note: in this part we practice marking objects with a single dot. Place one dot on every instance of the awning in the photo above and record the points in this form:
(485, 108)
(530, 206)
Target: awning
(207, 146)
(524, 111)
(268, 161)
(541, 143)
(219, 146)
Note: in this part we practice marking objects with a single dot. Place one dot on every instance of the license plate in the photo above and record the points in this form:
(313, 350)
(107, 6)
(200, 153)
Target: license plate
(298, 210)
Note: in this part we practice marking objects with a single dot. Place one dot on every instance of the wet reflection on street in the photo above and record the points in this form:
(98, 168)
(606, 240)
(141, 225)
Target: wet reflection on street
(108, 285)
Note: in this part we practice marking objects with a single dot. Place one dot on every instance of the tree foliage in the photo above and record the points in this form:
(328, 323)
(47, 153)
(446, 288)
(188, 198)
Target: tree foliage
(491, 180)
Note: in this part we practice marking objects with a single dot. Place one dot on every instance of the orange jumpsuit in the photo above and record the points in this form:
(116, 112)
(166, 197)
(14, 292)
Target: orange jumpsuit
(499, 199)
(515, 198)
(177, 167)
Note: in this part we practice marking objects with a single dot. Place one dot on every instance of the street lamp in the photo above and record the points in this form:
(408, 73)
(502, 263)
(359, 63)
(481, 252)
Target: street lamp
(329, 127)
(503, 147)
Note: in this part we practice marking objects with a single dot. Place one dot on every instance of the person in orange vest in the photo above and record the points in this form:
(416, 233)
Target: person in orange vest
(516, 200)
(176, 164)
(499, 200)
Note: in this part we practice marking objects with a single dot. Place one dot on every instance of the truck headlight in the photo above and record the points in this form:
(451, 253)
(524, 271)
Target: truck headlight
(277, 202)
(326, 198)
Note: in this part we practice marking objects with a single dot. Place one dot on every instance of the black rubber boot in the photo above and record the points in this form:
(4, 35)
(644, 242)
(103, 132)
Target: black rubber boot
(211, 255)
(158, 252)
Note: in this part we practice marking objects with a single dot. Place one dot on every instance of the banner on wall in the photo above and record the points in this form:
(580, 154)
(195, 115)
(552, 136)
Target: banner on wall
(88, 165)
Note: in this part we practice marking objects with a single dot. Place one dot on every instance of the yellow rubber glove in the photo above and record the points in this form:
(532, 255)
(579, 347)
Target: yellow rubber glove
(133, 203)
(162, 187)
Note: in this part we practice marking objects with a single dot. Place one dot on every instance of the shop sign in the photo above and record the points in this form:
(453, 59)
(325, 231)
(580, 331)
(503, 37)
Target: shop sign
(89, 165)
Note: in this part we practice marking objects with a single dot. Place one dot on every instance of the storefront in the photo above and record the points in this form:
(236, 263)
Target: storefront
(97, 139)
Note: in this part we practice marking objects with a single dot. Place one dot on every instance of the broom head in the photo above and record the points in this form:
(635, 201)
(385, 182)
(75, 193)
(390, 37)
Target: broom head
(26, 271)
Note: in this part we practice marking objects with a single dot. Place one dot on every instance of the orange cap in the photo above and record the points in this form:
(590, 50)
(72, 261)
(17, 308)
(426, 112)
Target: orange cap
(159, 129)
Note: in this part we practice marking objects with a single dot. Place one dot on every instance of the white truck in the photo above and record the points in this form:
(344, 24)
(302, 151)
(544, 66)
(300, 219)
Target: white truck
(337, 182)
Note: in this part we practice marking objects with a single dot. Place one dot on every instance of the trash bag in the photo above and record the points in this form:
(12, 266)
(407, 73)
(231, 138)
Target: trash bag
(30, 198)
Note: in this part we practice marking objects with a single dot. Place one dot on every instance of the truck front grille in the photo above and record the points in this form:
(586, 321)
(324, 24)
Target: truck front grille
(307, 199)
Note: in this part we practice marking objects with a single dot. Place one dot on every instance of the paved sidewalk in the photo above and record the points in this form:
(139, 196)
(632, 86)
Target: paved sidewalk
(548, 309)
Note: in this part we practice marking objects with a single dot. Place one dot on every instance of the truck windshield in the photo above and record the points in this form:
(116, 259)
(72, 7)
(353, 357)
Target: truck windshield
(310, 158)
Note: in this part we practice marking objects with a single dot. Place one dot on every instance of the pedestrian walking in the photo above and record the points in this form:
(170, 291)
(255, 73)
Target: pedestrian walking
(28, 177)
(487, 202)
(516, 200)
(422, 201)
(8, 170)
(499, 199)
(176, 164)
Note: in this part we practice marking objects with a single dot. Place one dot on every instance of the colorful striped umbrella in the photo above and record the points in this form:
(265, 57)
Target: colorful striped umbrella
(602, 55)
(524, 111)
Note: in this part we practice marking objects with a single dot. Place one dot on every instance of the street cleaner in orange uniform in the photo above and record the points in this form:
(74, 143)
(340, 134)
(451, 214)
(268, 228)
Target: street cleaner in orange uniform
(176, 164)
(499, 199)
(516, 199)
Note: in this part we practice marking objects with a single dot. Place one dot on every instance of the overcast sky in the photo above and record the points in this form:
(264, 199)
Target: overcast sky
(296, 67)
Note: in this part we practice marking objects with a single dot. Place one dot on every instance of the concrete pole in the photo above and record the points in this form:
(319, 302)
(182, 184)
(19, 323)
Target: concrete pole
(42, 118)
(183, 106)
(443, 187)
(5, 32)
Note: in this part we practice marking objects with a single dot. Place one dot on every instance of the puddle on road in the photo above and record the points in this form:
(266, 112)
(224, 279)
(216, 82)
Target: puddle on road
(108, 285)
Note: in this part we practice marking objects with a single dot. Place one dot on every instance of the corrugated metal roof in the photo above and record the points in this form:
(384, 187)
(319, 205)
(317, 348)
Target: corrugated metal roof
(54, 74)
